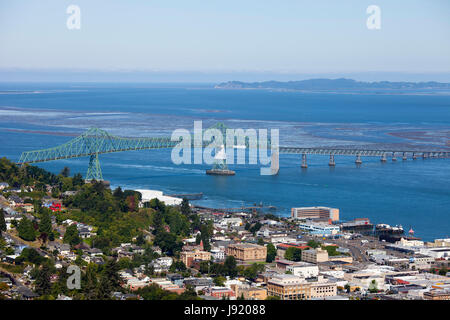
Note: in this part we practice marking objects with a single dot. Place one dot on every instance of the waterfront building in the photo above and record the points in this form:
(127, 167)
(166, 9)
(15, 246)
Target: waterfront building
(316, 213)
(319, 228)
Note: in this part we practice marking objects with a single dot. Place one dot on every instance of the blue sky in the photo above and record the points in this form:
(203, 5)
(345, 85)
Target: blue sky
(227, 36)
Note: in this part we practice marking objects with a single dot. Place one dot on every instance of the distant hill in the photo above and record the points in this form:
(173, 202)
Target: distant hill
(332, 84)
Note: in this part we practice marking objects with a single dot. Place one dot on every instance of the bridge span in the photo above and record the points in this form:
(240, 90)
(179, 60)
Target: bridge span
(95, 141)
(384, 154)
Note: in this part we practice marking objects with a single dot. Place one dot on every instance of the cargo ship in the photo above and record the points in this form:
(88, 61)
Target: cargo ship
(220, 172)
(385, 229)
(359, 225)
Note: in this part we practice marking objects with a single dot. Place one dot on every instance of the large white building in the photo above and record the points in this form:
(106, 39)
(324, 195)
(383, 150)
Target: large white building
(304, 269)
(319, 228)
(437, 253)
(148, 195)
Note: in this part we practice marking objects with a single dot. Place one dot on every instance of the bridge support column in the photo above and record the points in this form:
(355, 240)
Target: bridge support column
(358, 159)
(414, 156)
(304, 163)
(383, 158)
(394, 158)
(424, 155)
(404, 156)
(331, 163)
(94, 171)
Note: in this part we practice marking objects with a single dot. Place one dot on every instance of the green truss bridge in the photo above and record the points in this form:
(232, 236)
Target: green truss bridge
(95, 141)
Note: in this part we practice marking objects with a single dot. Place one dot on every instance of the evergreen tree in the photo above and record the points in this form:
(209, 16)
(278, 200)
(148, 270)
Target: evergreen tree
(45, 225)
(65, 172)
(198, 238)
(271, 253)
(90, 281)
(77, 180)
(2, 220)
(26, 229)
(230, 266)
(118, 193)
(42, 283)
(185, 208)
(109, 280)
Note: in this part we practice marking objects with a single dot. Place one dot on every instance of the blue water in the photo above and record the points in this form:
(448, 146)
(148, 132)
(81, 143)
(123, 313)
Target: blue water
(410, 193)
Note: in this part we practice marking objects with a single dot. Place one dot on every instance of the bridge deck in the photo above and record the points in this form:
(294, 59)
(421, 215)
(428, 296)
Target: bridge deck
(361, 152)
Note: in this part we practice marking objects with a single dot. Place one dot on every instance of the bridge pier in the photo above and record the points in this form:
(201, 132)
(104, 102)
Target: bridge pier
(414, 156)
(424, 155)
(394, 158)
(383, 158)
(358, 159)
(331, 163)
(404, 156)
(94, 171)
(304, 163)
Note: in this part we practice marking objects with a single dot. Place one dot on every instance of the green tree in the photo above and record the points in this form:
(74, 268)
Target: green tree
(42, 283)
(443, 271)
(219, 281)
(71, 236)
(185, 208)
(2, 220)
(26, 229)
(45, 224)
(168, 242)
(230, 266)
(313, 244)
(77, 180)
(65, 172)
(255, 228)
(198, 238)
(177, 266)
(293, 254)
(30, 255)
(271, 252)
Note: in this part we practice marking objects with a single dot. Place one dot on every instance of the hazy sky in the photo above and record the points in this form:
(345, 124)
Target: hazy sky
(210, 35)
